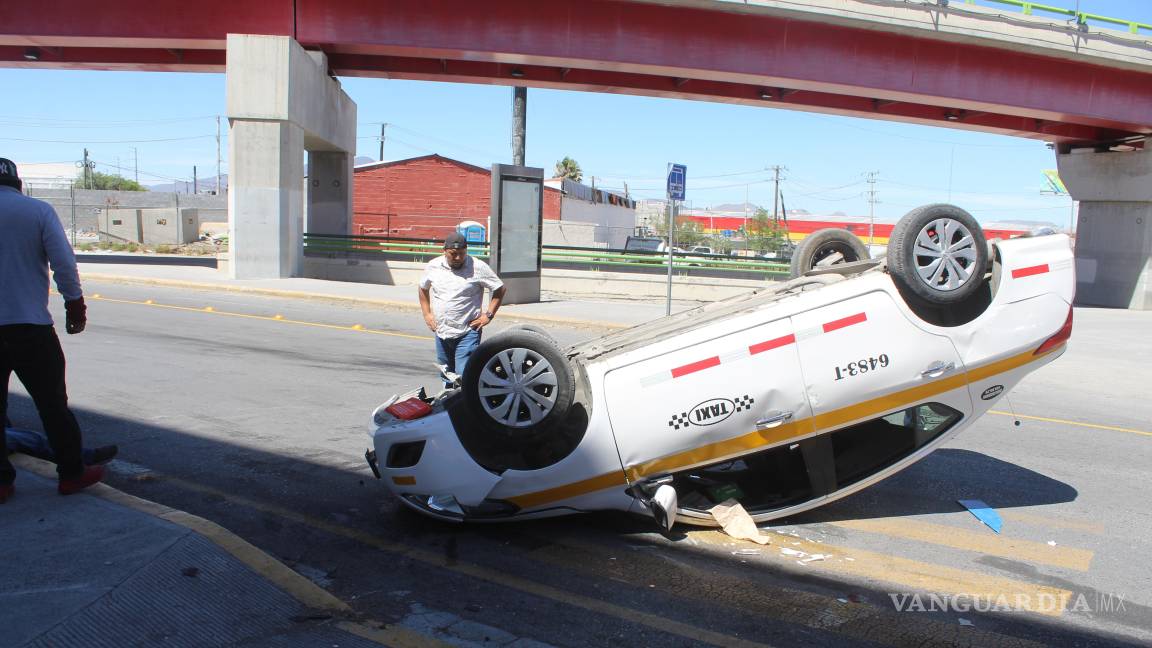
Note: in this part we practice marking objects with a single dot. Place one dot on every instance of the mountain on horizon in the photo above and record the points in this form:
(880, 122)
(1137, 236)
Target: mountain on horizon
(208, 184)
(181, 186)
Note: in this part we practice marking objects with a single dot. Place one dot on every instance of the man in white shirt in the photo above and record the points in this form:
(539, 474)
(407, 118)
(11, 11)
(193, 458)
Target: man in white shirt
(451, 295)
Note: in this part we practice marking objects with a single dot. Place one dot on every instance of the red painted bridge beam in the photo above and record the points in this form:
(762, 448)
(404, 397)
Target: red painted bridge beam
(749, 48)
(394, 67)
(138, 59)
(156, 24)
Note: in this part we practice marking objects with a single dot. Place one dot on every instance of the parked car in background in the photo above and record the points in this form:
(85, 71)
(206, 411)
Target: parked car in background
(645, 244)
(783, 399)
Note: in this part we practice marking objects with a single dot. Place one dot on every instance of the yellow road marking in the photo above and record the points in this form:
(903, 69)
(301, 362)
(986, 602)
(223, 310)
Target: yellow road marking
(982, 542)
(359, 328)
(495, 576)
(1074, 423)
(913, 574)
(1042, 520)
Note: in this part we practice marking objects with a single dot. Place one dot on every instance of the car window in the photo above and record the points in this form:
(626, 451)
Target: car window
(791, 474)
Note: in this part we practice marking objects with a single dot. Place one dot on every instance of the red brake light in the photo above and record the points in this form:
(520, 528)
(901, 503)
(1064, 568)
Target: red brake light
(1059, 338)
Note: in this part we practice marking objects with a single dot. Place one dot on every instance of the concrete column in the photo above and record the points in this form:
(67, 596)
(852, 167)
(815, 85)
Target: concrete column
(1114, 227)
(265, 198)
(281, 103)
(329, 193)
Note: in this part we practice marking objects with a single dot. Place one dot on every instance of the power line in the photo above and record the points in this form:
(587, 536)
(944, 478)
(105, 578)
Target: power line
(872, 206)
(169, 139)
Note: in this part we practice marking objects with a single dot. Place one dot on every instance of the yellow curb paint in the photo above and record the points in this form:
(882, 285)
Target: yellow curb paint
(910, 574)
(293, 583)
(299, 587)
(983, 542)
(1094, 426)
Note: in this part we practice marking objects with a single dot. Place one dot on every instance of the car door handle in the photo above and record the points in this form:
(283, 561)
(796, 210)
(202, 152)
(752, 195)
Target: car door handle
(772, 419)
(937, 369)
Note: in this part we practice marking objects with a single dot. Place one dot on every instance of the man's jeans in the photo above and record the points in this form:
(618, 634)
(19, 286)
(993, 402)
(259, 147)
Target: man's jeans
(454, 353)
(33, 353)
(34, 444)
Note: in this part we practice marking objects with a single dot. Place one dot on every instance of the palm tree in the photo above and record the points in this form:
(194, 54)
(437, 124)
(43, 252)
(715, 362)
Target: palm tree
(569, 168)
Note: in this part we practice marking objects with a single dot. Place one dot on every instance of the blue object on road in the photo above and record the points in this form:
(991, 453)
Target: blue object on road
(983, 513)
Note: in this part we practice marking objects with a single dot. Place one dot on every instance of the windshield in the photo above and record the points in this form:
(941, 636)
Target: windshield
(649, 244)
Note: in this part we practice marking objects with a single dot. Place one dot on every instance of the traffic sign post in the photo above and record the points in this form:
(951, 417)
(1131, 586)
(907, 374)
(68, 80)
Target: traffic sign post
(677, 180)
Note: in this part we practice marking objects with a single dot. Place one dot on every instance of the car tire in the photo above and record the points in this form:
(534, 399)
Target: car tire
(937, 254)
(529, 327)
(820, 246)
(518, 384)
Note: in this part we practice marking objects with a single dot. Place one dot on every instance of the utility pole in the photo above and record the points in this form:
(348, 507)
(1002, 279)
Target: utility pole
(136, 163)
(872, 207)
(87, 171)
(776, 169)
(195, 189)
(217, 155)
(383, 125)
(519, 124)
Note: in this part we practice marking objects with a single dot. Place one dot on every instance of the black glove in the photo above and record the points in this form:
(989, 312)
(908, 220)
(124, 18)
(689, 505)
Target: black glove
(74, 314)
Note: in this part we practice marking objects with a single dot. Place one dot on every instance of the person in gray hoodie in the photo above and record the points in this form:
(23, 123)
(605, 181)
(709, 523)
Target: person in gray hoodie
(31, 239)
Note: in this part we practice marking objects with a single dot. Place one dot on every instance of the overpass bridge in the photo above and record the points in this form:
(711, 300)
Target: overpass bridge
(1086, 90)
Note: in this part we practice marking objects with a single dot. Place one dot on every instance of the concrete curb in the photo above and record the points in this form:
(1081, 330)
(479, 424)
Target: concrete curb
(276, 572)
(298, 294)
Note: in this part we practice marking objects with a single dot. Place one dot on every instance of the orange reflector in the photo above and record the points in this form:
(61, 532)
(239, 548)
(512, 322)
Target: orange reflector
(406, 480)
(1059, 338)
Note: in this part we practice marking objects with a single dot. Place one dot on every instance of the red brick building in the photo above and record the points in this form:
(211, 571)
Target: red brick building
(425, 197)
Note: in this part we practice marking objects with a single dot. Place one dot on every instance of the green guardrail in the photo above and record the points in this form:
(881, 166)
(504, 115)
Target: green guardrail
(587, 258)
(1081, 17)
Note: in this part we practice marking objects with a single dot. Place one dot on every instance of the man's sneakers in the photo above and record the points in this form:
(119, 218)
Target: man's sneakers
(104, 454)
(91, 475)
(6, 491)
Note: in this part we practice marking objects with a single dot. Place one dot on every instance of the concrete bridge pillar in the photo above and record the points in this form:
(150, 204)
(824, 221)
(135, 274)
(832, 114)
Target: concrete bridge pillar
(281, 102)
(1114, 227)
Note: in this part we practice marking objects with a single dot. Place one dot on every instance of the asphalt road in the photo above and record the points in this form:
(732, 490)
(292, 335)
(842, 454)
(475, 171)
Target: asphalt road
(260, 424)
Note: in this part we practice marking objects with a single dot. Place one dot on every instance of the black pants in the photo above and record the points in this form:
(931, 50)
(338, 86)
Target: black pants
(33, 352)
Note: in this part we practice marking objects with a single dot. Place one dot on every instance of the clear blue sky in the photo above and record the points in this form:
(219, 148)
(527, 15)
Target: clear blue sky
(52, 115)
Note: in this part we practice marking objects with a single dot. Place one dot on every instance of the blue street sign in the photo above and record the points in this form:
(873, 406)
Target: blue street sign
(677, 178)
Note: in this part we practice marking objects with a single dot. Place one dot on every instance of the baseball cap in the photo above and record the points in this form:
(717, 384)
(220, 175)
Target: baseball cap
(8, 168)
(8, 175)
(455, 241)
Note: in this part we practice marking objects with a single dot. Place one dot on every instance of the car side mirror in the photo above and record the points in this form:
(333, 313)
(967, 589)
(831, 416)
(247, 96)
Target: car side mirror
(664, 505)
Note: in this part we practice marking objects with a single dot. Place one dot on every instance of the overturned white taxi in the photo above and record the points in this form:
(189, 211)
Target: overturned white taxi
(783, 399)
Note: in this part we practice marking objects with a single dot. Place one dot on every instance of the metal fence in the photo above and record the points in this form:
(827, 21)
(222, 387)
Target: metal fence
(552, 256)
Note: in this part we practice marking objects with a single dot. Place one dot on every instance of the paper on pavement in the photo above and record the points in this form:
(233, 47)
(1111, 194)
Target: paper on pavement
(736, 522)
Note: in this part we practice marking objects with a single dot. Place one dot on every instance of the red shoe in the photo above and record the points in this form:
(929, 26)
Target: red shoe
(6, 491)
(91, 475)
